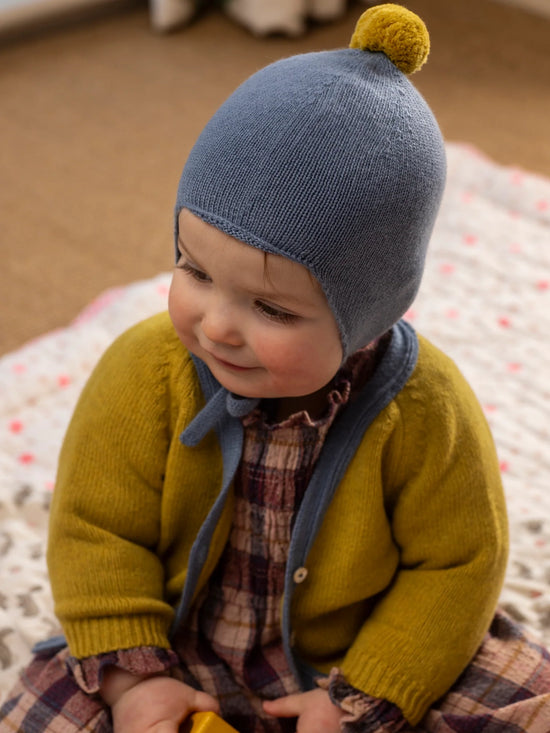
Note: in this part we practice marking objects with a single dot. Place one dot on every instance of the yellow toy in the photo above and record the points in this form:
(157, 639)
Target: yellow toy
(206, 723)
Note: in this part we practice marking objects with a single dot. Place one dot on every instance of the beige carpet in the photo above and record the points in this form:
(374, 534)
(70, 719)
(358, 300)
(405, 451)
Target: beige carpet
(97, 119)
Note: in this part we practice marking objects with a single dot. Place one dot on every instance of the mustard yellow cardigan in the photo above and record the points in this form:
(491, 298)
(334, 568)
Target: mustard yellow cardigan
(405, 571)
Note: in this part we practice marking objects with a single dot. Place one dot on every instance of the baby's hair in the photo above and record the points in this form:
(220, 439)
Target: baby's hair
(267, 279)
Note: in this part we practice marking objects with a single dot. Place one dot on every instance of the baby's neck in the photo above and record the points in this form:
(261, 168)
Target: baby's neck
(314, 404)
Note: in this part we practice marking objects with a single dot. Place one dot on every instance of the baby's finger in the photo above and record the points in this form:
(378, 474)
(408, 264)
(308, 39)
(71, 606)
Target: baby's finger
(290, 706)
(166, 726)
(204, 702)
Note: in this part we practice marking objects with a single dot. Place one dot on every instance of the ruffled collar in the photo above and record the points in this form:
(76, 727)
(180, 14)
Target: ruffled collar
(350, 379)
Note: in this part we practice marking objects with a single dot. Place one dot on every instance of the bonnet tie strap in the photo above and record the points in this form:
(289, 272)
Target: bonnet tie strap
(221, 413)
(222, 406)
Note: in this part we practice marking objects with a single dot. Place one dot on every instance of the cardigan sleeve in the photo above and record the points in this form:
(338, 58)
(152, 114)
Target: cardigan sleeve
(107, 581)
(445, 504)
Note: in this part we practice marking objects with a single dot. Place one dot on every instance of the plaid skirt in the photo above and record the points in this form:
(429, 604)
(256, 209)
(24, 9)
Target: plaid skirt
(506, 687)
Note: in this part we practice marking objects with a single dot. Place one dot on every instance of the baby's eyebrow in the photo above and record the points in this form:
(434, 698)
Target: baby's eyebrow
(183, 250)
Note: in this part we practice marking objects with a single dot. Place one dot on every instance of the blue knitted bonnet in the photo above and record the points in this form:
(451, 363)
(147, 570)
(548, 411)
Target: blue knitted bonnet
(334, 160)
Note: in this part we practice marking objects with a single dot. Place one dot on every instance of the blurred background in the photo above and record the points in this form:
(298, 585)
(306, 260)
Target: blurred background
(101, 102)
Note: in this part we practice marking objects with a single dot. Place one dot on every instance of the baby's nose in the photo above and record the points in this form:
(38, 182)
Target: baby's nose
(220, 325)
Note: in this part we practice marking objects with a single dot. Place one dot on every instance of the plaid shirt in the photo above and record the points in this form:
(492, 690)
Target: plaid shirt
(232, 643)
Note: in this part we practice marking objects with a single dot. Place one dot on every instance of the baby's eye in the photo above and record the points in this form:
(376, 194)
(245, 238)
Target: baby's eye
(273, 313)
(194, 272)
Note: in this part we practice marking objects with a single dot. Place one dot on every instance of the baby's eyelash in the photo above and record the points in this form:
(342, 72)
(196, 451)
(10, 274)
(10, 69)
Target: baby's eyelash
(274, 313)
(193, 271)
(269, 311)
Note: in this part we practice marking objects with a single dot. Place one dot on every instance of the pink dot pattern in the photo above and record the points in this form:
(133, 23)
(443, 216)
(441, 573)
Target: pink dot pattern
(485, 300)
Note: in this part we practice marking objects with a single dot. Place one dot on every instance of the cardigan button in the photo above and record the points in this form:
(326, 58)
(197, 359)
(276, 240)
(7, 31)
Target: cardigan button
(299, 575)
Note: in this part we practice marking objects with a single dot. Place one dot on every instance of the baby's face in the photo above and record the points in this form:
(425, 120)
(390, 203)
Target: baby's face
(260, 322)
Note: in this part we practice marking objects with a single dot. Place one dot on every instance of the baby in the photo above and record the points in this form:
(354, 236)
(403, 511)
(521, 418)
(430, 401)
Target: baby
(278, 502)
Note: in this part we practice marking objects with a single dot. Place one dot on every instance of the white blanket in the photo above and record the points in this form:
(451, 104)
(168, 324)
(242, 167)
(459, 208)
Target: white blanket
(485, 300)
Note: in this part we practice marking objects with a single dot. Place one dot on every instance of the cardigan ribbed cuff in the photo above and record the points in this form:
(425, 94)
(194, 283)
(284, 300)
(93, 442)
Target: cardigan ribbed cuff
(382, 681)
(91, 636)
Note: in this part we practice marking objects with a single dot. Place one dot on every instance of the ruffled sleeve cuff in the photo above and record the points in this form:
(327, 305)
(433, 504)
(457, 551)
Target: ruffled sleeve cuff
(144, 660)
(363, 713)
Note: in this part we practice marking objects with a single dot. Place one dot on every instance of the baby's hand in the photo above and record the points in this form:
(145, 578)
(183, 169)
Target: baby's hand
(314, 710)
(158, 705)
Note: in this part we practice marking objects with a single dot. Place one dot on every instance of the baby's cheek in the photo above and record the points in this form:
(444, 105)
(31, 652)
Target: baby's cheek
(279, 354)
(179, 316)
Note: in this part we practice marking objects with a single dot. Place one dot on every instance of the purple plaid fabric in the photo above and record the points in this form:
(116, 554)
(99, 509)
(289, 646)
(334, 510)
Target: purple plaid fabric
(47, 698)
(506, 688)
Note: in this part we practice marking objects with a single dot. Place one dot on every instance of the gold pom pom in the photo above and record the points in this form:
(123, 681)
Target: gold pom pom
(395, 31)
